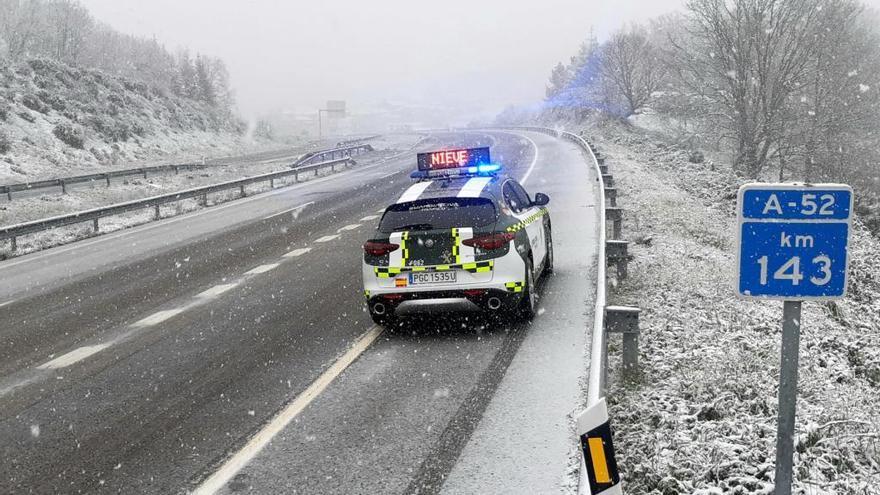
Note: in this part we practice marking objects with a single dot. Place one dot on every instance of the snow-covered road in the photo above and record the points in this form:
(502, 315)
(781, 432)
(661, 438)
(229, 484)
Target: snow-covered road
(140, 361)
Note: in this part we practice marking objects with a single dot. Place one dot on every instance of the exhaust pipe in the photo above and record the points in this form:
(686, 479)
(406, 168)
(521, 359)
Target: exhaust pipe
(494, 303)
(379, 309)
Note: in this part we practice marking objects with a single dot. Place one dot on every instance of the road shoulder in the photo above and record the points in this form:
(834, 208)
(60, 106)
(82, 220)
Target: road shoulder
(525, 441)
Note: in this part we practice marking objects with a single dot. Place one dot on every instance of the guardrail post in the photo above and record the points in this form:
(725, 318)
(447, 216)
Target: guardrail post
(9, 194)
(316, 172)
(176, 170)
(63, 186)
(242, 191)
(615, 215)
(608, 179)
(611, 196)
(95, 227)
(296, 176)
(204, 199)
(271, 183)
(158, 214)
(603, 169)
(618, 253)
(333, 167)
(145, 172)
(625, 320)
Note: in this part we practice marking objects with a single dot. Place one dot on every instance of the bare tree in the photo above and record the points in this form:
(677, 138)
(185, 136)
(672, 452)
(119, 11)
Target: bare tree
(631, 70)
(748, 57)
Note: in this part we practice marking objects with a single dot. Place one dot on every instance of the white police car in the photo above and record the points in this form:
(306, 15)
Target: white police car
(463, 237)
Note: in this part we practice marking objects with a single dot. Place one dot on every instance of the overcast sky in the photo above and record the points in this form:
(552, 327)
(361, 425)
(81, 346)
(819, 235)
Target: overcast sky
(297, 54)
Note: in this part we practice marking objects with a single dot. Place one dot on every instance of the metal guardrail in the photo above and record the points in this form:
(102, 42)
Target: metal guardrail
(349, 142)
(607, 319)
(13, 231)
(63, 182)
(332, 154)
(8, 189)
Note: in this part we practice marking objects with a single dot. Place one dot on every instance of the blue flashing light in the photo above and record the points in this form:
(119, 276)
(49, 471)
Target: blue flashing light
(484, 169)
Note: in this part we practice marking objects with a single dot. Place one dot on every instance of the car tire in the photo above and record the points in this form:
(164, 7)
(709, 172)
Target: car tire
(548, 260)
(527, 303)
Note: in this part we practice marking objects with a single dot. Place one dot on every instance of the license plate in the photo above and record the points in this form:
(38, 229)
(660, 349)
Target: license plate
(428, 278)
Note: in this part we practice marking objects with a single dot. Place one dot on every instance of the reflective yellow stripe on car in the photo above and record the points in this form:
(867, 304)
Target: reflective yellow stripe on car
(456, 252)
(527, 221)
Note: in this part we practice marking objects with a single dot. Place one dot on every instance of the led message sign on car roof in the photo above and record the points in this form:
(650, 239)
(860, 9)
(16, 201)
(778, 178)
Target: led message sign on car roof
(449, 159)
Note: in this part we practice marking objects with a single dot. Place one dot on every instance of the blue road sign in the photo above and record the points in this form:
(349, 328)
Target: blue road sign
(792, 241)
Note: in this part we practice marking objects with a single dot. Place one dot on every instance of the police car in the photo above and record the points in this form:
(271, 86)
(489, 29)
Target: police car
(462, 237)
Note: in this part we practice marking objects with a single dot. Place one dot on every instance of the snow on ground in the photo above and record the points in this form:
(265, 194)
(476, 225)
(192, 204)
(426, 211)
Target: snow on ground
(703, 417)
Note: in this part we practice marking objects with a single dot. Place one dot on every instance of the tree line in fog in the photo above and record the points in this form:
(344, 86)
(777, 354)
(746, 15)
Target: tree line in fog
(788, 87)
(64, 30)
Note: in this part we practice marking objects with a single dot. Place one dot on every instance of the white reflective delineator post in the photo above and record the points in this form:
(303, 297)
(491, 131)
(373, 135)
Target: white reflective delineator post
(599, 473)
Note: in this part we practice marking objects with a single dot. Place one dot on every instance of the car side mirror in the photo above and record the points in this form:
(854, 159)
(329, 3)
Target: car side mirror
(541, 199)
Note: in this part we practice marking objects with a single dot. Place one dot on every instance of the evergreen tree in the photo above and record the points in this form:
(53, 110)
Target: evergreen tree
(559, 79)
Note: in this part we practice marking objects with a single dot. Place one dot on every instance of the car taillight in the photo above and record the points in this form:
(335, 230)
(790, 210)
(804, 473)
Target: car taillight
(490, 242)
(379, 248)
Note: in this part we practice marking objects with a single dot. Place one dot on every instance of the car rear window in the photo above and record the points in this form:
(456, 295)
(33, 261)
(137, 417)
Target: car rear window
(438, 213)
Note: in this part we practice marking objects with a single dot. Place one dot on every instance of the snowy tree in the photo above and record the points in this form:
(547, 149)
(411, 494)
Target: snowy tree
(204, 84)
(631, 70)
(748, 58)
(559, 79)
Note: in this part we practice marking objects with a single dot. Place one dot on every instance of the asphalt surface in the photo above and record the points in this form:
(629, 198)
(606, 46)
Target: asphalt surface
(139, 362)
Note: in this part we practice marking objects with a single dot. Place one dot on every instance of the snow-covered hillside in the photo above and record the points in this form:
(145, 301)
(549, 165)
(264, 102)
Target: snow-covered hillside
(58, 120)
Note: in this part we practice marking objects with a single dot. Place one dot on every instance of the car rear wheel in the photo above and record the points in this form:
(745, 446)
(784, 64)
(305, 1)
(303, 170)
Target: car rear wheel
(527, 304)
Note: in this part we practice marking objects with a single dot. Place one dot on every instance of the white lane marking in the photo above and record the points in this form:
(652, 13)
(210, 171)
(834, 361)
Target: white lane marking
(259, 441)
(297, 252)
(7, 303)
(161, 223)
(327, 238)
(72, 357)
(289, 210)
(414, 191)
(473, 187)
(215, 291)
(388, 175)
(369, 218)
(525, 177)
(261, 269)
(158, 317)
(349, 227)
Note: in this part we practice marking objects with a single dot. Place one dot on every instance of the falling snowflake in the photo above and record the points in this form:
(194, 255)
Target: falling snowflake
(35, 431)
(864, 88)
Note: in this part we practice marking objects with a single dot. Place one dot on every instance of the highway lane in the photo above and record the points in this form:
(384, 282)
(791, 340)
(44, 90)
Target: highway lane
(411, 413)
(168, 398)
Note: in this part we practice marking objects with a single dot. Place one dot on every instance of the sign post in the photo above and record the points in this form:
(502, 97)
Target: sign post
(334, 108)
(792, 245)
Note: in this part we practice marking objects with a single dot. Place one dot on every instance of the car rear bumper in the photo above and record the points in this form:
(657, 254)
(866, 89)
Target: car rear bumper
(459, 300)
